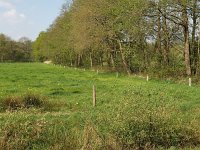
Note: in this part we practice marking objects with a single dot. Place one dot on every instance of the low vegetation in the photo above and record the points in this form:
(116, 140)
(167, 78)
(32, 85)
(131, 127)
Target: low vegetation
(130, 113)
(26, 101)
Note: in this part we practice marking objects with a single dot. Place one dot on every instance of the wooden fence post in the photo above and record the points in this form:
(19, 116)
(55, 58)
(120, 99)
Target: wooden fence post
(94, 96)
(190, 82)
(147, 78)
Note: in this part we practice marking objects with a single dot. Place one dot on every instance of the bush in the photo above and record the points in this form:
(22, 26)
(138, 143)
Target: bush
(27, 101)
(11, 103)
(33, 100)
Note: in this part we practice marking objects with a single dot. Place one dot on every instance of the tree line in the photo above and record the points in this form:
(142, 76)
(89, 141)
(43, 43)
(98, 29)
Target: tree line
(133, 36)
(15, 51)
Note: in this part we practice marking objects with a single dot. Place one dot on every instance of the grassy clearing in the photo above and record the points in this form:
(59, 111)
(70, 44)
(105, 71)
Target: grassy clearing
(130, 114)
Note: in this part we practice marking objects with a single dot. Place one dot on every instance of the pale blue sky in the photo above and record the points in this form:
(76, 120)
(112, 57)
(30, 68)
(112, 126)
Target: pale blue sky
(27, 17)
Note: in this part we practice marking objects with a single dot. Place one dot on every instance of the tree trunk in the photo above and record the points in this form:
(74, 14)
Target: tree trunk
(91, 61)
(123, 58)
(79, 60)
(101, 60)
(187, 52)
(145, 59)
(194, 51)
(2, 58)
(112, 60)
(198, 51)
(71, 63)
(166, 41)
(186, 41)
(159, 47)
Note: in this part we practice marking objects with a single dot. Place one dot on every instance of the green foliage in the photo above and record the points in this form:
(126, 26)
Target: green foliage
(13, 51)
(86, 34)
(40, 52)
(138, 36)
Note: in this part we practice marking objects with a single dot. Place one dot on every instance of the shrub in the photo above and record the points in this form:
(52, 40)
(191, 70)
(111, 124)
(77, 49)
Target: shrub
(11, 103)
(27, 101)
(33, 100)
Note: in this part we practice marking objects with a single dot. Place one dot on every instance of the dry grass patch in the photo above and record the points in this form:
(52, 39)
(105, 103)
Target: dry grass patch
(27, 101)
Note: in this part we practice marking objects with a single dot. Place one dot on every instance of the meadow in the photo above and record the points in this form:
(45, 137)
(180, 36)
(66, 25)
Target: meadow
(130, 113)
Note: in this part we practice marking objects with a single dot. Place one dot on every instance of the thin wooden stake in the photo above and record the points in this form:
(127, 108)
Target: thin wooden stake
(94, 96)
(190, 82)
(147, 78)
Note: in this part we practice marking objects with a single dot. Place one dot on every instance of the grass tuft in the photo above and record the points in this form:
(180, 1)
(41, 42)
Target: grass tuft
(33, 100)
(11, 103)
(27, 101)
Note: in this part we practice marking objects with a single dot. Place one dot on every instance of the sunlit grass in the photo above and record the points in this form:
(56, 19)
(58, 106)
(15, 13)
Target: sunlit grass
(126, 107)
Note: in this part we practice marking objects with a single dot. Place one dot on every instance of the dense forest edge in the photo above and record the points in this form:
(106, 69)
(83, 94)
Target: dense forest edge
(141, 36)
(15, 51)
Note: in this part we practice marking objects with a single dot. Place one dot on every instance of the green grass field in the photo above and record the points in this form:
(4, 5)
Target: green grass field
(131, 113)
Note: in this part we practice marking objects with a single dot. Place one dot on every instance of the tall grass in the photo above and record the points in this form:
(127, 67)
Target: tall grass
(25, 131)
